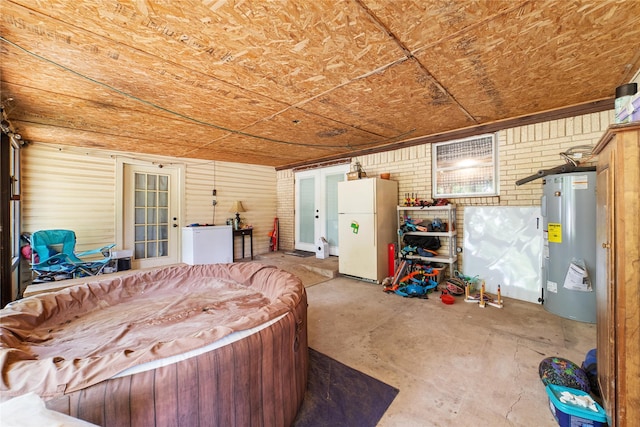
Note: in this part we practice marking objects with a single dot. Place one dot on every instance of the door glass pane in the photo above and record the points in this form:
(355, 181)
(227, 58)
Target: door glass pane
(163, 216)
(139, 216)
(140, 199)
(163, 248)
(163, 232)
(140, 233)
(151, 230)
(307, 210)
(151, 199)
(163, 198)
(151, 250)
(331, 184)
(151, 181)
(151, 216)
(141, 181)
(140, 252)
(163, 183)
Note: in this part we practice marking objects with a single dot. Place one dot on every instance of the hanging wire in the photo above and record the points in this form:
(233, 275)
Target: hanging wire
(576, 155)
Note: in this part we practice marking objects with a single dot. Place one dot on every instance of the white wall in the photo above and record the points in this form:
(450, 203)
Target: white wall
(68, 187)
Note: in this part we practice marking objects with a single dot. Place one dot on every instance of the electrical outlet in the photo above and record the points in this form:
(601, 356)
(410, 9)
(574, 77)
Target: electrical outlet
(215, 192)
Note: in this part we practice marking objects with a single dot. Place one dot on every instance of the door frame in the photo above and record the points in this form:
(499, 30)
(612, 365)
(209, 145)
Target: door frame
(180, 169)
(320, 175)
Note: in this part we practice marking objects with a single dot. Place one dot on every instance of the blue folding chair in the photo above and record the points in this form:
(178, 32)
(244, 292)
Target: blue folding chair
(54, 256)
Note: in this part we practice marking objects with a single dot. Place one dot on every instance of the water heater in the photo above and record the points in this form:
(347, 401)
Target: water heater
(569, 253)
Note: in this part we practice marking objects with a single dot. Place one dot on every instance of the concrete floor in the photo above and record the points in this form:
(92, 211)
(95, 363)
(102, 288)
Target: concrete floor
(455, 365)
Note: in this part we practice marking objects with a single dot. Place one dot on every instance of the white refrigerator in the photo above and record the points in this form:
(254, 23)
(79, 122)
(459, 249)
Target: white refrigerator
(366, 225)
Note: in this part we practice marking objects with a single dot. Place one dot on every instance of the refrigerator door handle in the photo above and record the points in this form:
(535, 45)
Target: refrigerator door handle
(375, 235)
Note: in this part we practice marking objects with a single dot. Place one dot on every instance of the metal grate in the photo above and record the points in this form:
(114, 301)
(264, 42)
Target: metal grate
(465, 168)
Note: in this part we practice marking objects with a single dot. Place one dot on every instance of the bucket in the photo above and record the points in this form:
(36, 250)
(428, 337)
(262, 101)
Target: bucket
(568, 414)
(447, 299)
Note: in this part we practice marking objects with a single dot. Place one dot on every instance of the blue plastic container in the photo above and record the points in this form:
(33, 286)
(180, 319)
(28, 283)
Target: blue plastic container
(570, 415)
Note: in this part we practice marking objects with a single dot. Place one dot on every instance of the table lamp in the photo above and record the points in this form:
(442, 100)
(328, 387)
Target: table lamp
(237, 208)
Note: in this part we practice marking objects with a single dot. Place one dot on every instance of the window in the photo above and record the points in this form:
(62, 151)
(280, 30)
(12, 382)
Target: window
(466, 167)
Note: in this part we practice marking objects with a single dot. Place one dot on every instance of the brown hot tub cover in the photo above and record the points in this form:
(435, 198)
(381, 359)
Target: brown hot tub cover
(68, 340)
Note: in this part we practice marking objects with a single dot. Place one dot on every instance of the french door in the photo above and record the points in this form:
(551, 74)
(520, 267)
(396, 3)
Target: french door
(316, 193)
(151, 208)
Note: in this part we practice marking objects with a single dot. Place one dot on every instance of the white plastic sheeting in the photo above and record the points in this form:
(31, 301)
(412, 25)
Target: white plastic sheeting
(503, 246)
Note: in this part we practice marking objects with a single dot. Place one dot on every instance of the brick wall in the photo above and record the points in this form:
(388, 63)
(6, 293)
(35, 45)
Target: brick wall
(285, 209)
(522, 151)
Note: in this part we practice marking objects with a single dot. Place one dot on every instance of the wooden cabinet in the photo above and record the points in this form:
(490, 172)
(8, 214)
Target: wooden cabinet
(618, 273)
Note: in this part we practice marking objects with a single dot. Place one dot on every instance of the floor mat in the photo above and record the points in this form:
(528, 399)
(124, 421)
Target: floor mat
(300, 253)
(338, 395)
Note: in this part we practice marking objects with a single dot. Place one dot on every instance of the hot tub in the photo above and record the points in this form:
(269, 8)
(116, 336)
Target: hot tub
(222, 344)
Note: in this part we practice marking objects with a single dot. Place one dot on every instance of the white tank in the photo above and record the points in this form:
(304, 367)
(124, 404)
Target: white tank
(569, 253)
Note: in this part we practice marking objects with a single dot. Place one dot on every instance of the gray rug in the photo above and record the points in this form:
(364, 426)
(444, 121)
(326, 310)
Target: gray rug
(340, 396)
(300, 253)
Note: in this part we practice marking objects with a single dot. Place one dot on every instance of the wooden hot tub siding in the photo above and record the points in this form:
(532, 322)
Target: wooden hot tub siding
(257, 381)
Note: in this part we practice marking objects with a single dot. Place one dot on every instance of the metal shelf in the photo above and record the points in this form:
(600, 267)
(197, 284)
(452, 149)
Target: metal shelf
(427, 208)
(434, 259)
(449, 212)
(433, 233)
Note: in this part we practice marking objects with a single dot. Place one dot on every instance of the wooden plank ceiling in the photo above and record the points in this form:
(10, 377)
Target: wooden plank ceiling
(289, 82)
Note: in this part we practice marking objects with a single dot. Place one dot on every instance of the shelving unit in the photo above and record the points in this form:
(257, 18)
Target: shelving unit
(447, 213)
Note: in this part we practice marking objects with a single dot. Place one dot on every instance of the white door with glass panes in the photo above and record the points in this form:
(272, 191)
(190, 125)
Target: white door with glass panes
(150, 221)
(316, 193)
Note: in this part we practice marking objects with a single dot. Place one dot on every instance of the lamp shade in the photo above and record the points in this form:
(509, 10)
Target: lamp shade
(237, 207)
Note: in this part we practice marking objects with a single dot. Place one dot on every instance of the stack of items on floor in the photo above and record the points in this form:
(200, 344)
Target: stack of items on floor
(413, 279)
(573, 391)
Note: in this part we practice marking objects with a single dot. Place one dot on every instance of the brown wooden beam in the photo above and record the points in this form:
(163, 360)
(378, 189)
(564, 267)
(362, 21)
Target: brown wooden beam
(529, 119)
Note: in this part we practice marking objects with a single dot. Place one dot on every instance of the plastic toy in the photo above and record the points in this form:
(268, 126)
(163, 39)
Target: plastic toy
(415, 284)
(483, 298)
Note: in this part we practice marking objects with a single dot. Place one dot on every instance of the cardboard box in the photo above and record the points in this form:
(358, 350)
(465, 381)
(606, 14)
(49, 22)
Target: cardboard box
(351, 176)
(440, 273)
(123, 253)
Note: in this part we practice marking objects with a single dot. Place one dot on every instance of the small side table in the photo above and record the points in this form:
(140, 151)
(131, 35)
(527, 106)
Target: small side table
(243, 232)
